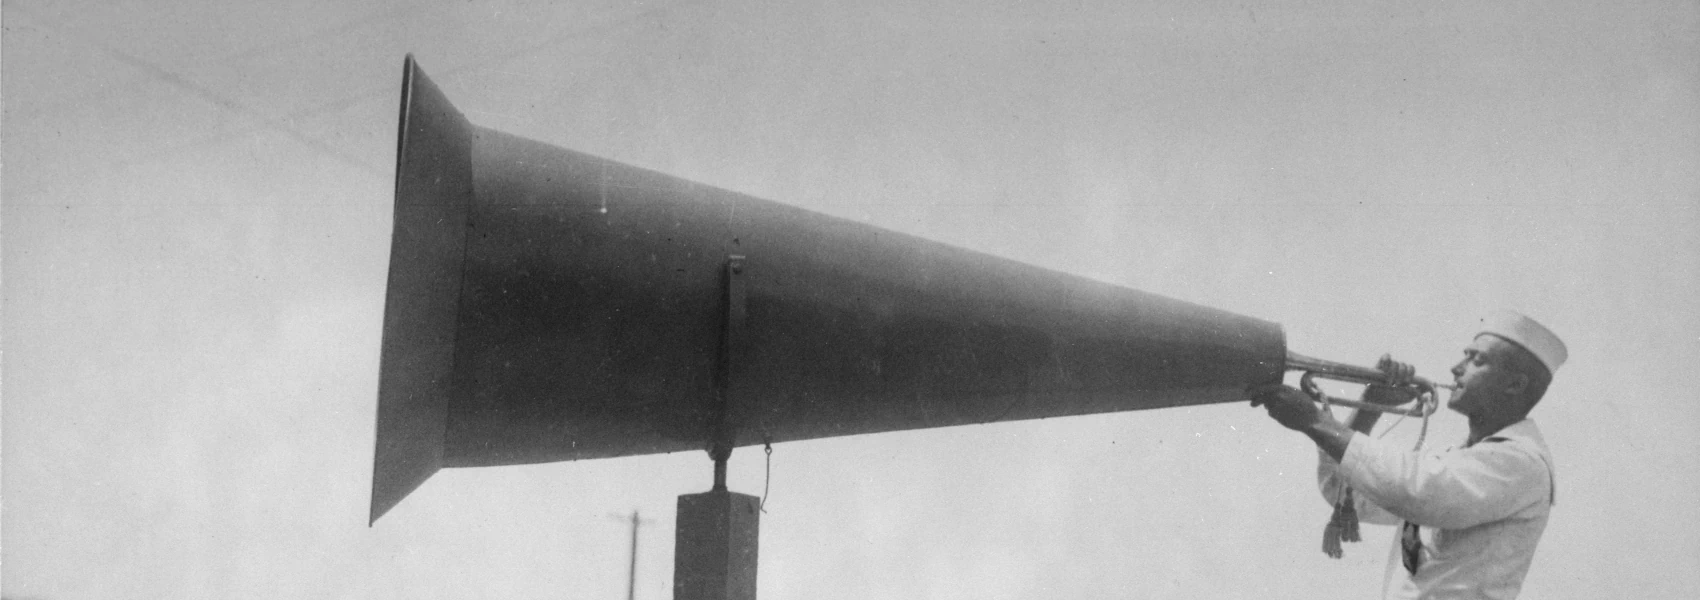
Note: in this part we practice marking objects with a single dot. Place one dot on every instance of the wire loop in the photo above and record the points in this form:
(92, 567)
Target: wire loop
(768, 478)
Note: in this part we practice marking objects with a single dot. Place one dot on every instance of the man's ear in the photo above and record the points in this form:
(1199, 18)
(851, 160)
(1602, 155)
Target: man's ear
(1518, 386)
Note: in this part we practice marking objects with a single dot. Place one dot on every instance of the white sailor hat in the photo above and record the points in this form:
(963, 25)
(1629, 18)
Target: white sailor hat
(1525, 332)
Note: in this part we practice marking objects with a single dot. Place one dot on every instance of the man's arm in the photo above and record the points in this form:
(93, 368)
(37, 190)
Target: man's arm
(1362, 421)
(1333, 484)
(1452, 490)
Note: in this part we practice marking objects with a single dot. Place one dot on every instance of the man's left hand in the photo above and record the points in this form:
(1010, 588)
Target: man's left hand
(1290, 407)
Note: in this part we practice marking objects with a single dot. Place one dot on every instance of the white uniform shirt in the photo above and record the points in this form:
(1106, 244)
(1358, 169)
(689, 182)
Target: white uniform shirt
(1482, 509)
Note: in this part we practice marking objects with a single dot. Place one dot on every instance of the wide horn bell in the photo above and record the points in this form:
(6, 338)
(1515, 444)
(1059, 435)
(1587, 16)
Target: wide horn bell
(547, 305)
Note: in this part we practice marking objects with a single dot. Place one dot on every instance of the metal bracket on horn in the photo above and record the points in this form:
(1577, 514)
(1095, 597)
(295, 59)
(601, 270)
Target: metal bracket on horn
(723, 432)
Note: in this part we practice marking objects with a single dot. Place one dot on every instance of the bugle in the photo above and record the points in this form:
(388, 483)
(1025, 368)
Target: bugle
(1423, 391)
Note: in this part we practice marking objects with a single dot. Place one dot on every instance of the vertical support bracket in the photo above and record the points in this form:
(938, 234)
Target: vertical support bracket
(723, 427)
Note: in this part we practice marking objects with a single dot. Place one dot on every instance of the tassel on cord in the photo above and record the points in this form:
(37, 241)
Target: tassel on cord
(1342, 527)
(1347, 512)
(1331, 540)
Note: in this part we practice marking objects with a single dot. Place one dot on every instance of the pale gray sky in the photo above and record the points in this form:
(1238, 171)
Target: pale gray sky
(196, 225)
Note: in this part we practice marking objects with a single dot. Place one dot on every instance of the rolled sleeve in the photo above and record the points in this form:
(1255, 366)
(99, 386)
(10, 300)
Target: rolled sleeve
(1454, 489)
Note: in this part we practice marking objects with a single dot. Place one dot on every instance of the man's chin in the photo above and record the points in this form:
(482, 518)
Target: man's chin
(1458, 403)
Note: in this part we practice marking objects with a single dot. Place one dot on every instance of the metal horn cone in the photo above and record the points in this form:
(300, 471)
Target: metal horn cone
(587, 319)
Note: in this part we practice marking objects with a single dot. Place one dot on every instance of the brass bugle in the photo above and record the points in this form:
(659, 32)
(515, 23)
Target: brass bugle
(1316, 367)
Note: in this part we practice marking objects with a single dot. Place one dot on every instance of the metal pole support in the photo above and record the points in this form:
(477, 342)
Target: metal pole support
(723, 413)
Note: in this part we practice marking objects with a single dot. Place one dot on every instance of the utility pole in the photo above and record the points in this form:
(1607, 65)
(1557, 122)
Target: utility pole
(631, 572)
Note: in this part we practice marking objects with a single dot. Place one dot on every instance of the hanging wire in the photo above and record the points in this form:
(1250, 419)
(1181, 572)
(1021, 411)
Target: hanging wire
(768, 478)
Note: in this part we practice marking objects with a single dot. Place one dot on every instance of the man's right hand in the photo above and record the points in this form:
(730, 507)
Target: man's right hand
(1398, 374)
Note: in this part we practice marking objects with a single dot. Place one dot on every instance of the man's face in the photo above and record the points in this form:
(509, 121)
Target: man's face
(1483, 377)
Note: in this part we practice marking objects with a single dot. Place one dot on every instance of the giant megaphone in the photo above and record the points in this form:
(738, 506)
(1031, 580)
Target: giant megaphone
(547, 305)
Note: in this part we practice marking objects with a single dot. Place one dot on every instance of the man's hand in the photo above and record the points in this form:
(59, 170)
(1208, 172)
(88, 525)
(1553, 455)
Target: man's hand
(1398, 374)
(1291, 408)
(1295, 410)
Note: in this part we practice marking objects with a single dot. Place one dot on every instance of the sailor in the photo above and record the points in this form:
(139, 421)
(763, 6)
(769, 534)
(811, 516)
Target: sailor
(1469, 516)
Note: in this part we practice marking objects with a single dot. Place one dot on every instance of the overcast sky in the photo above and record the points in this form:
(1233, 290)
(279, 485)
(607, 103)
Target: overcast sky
(196, 229)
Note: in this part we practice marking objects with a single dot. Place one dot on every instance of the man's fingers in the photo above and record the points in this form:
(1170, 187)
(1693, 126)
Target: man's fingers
(1257, 394)
(1390, 393)
(1397, 372)
(1260, 394)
